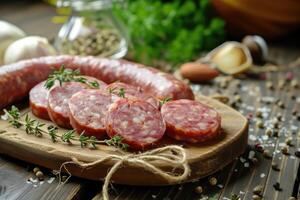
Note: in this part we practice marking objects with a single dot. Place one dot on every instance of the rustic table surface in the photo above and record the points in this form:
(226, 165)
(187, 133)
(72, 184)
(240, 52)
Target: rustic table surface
(238, 179)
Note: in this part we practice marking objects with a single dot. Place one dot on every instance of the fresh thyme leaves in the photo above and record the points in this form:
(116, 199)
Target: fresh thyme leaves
(165, 100)
(52, 131)
(34, 127)
(121, 92)
(116, 141)
(14, 115)
(84, 140)
(67, 75)
(68, 136)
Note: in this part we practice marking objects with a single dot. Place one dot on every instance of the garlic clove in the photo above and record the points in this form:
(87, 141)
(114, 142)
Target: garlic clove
(231, 58)
(27, 48)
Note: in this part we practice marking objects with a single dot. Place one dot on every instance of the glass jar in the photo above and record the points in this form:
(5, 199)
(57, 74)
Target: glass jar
(91, 30)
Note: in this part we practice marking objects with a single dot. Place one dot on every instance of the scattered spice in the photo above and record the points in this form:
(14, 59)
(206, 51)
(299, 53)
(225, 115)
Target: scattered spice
(288, 141)
(213, 181)
(277, 186)
(259, 148)
(280, 104)
(260, 124)
(275, 166)
(258, 190)
(35, 170)
(294, 112)
(254, 160)
(270, 85)
(256, 197)
(285, 150)
(258, 114)
(267, 154)
(294, 83)
(269, 132)
(40, 175)
(199, 189)
(238, 98)
(279, 116)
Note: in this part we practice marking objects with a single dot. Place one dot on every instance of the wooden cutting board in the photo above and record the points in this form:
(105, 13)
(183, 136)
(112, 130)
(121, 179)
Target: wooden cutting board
(204, 159)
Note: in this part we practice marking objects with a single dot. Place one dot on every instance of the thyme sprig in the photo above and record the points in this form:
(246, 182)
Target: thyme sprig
(165, 100)
(120, 93)
(34, 127)
(67, 75)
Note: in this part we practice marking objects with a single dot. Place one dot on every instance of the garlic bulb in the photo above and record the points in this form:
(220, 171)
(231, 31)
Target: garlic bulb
(28, 47)
(8, 34)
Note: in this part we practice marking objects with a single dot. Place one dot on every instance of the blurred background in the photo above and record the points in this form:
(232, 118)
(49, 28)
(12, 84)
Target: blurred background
(162, 33)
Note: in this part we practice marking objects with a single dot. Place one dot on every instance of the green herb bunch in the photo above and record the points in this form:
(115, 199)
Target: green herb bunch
(67, 75)
(34, 127)
(173, 31)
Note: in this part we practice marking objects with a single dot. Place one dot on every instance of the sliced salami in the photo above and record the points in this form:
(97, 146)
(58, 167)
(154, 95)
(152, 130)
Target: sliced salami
(132, 92)
(58, 97)
(190, 121)
(136, 121)
(38, 100)
(88, 110)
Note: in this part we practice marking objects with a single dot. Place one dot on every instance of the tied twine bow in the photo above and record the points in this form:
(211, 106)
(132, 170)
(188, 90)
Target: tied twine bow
(172, 155)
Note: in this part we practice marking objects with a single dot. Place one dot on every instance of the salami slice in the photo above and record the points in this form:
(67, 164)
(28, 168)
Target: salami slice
(132, 92)
(88, 110)
(190, 121)
(136, 121)
(38, 96)
(38, 100)
(58, 97)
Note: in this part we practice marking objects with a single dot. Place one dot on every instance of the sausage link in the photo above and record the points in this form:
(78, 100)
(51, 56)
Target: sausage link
(17, 79)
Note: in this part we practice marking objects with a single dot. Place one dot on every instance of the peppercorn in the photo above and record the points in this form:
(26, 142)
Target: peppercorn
(285, 150)
(258, 114)
(238, 98)
(258, 190)
(256, 197)
(254, 160)
(294, 83)
(213, 181)
(270, 85)
(267, 154)
(277, 186)
(40, 175)
(199, 190)
(36, 169)
(288, 141)
(275, 166)
(259, 124)
(269, 132)
(281, 104)
(294, 112)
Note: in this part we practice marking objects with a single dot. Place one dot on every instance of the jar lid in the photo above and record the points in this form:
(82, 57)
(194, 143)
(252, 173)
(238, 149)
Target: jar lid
(81, 5)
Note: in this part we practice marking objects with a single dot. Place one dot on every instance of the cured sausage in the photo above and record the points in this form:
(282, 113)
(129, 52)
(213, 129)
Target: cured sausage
(132, 92)
(190, 121)
(58, 97)
(88, 110)
(38, 100)
(136, 121)
(38, 97)
(17, 79)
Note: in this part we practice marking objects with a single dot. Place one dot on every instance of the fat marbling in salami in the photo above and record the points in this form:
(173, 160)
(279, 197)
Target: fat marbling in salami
(132, 92)
(58, 98)
(88, 109)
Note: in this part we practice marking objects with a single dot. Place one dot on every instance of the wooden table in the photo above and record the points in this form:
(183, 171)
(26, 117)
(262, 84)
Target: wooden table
(17, 180)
